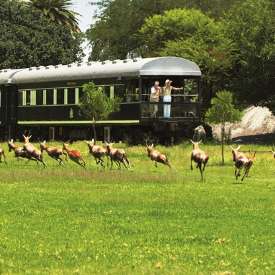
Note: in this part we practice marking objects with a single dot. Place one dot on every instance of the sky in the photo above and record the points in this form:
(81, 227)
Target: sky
(86, 11)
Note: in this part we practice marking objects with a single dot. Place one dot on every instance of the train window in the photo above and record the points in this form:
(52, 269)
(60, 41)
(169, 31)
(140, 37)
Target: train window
(190, 86)
(49, 96)
(55, 96)
(107, 90)
(44, 97)
(190, 90)
(20, 98)
(39, 97)
(132, 92)
(60, 96)
(33, 97)
(80, 93)
(112, 91)
(76, 95)
(71, 95)
(120, 92)
(28, 97)
(65, 96)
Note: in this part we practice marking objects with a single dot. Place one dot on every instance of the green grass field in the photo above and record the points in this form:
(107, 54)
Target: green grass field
(65, 220)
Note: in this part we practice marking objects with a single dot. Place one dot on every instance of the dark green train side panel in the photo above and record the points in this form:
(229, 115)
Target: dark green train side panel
(8, 111)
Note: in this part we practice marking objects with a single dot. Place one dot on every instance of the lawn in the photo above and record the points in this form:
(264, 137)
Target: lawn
(147, 220)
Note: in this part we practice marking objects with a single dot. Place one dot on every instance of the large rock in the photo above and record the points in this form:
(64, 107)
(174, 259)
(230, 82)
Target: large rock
(255, 121)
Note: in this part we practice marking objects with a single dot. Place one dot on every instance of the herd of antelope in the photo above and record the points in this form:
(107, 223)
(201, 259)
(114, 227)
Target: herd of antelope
(242, 161)
(30, 152)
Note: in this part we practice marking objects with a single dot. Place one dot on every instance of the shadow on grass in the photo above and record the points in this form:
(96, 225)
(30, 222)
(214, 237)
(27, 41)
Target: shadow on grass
(237, 182)
(219, 164)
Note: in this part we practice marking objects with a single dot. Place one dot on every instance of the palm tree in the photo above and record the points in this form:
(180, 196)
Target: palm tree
(58, 11)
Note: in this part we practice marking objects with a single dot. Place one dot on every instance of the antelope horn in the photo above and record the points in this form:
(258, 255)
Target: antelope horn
(237, 149)
(146, 142)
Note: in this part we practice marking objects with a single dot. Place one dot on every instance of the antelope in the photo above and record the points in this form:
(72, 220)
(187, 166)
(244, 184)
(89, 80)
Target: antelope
(97, 151)
(117, 155)
(32, 152)
(156, 156)
(74, 155)
(199, 157)
(242, 162)
(52, 152)
(273, 151)
(2, 155)
(19, 151)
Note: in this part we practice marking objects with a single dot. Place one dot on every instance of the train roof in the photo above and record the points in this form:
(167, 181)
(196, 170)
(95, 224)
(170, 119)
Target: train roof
(6, 74)
(158, 66)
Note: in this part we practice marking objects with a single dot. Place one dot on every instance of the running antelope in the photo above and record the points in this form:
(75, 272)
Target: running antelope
(2, 155)
(32, 152)
(117, 155)
(97, 151)
(74, 155)
(19, 151)
(199, 157)
(273, 151)
(242, 162)
(53, 152)
(156, 156)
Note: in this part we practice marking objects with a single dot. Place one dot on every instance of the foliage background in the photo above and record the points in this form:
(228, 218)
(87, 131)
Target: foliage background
(27, 38)
(232, 41)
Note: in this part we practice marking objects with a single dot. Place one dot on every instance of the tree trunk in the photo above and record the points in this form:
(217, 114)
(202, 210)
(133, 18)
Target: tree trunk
(222, 140)
(94, 131)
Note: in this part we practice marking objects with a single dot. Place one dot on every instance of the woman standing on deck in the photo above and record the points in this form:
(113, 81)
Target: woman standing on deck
(167, 90)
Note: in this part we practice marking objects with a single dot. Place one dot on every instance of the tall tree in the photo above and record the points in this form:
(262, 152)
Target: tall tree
(96, 105)
(252, 27)
(58, 11)
(222, 111)
(190, 34)
(28, 39)
(115, 32)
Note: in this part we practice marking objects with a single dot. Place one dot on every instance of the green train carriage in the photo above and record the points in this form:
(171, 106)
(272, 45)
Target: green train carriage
(45, 100)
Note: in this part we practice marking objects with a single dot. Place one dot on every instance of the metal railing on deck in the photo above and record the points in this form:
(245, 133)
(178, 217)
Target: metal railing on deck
(173, 110)
(182, 106)
(175, 97)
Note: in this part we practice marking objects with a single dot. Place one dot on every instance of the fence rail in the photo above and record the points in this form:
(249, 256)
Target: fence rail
(175, 110)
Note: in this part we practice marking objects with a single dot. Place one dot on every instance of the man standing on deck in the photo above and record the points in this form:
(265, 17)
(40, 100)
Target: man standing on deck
(154, 99)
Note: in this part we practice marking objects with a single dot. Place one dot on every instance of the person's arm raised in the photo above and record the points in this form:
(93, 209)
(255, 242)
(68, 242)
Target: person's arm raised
(177, 89)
